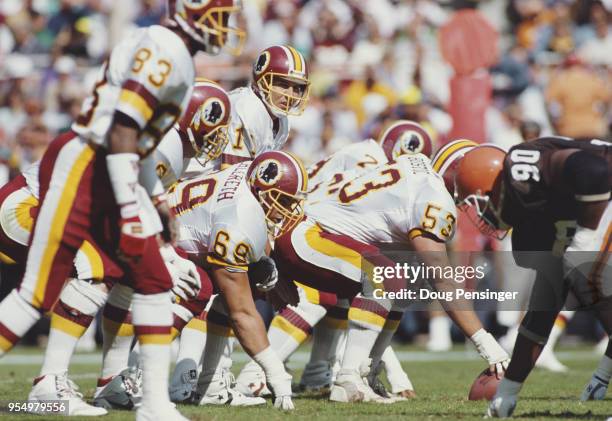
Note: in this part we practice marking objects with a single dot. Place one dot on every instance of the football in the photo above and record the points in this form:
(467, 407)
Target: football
(485, 386)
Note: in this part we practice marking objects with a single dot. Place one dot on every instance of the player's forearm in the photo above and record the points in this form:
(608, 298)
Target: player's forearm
(122, 136)
(250, 331)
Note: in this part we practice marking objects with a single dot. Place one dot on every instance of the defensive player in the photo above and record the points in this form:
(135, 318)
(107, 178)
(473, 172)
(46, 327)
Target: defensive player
(554, 192)
(141, 92)
(403, 203)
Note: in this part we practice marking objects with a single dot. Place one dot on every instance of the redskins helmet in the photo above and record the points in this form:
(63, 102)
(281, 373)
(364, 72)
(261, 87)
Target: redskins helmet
(212, 24)
(206, 119)
(405, 137)
(478, 188)
(446, 160)
(280, 78)
(279, 182)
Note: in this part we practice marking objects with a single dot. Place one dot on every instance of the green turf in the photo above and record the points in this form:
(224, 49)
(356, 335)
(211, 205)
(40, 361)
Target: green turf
(442, 388)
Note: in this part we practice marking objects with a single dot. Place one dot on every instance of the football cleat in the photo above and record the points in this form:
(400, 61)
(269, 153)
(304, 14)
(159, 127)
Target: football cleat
(373, 380)
(317, 376)
(184, 381)
(167, 412)
(218, 388)
(351, 386)
(501, 407)
(548, 361)
(124, 391)
(52, 387)
(595, 390)
(252, 381)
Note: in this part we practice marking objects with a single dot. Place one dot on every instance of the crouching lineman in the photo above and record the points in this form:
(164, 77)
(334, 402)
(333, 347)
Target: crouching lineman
(225, 220)
(292, 325)
(403, 203)
(87, 187)
(554, 193)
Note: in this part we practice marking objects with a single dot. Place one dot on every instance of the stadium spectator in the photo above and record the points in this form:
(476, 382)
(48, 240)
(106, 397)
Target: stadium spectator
(579, 101)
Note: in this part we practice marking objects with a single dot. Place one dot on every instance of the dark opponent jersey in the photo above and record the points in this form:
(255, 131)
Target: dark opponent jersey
(542, 213)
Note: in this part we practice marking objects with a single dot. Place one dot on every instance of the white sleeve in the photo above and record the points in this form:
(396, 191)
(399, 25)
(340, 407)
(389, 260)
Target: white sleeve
(231, 247)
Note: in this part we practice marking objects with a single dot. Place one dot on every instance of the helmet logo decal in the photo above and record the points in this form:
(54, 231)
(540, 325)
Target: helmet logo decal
(262, 63)
(210, 113)
(268, 172)
(412, 142)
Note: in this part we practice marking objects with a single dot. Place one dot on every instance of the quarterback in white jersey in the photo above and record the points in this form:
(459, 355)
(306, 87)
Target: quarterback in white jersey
(280, 88)
(336, 248)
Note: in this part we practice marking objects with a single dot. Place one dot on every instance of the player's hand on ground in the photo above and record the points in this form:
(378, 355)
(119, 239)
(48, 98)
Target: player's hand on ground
(280, 385)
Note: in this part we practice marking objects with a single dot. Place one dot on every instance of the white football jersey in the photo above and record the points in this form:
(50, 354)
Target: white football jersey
(168, 156)
(31, 176)
(148, 77)
(219, 216)
(346, 163)
(389, 204)
(251, 129)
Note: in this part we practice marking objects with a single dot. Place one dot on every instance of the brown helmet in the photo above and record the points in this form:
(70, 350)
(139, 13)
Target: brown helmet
(478, 188)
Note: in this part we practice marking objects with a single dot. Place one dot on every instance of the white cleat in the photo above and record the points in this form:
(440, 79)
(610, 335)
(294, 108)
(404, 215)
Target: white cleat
(219, 389)
(252, 381)
(60, 387)
(351, 387)
(167, 412)
(501, 407)
(549, 361)
(595, 390)
(317, 376)
(184, 381)
(124, 391)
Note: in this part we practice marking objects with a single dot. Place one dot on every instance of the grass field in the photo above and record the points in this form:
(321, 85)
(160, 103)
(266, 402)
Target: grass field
(441, 380)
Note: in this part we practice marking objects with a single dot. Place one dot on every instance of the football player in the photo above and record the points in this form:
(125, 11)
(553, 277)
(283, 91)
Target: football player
(19, 204)
(88, 179)
(201, 132)
(554, 193)
(225, 220)
(292, 325)
(279, 88)
(403, 203)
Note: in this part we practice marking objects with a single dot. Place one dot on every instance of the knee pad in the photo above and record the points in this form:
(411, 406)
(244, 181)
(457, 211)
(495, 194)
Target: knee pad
(120, 296)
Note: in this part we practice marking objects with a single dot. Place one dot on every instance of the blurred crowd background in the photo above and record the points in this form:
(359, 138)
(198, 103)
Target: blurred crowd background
(370, 61)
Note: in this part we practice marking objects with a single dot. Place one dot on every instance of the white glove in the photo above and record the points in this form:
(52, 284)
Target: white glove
(280, 385)
(184, 273)
(279, 381)
(490, 350)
